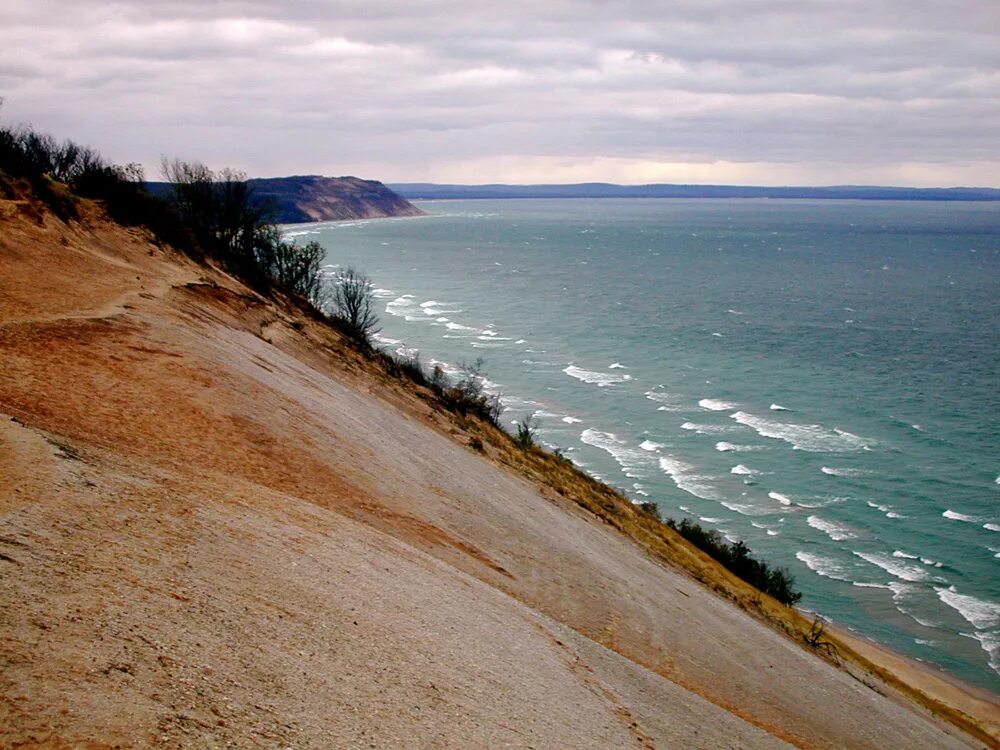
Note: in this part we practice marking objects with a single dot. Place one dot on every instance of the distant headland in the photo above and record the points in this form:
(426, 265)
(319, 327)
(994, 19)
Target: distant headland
(305, 198)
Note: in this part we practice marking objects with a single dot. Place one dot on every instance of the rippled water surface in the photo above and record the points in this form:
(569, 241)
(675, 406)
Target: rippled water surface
(818, 378)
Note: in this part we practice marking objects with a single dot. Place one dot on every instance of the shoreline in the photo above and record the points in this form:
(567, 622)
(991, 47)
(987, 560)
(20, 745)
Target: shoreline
(936, 684)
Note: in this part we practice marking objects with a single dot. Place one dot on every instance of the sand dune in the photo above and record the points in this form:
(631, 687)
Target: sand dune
(219, 528)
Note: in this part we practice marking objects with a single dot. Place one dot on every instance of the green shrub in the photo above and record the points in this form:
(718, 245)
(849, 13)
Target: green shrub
(737, 558)
(524, 437)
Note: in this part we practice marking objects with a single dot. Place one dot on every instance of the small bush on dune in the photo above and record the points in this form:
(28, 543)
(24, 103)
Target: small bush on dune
(524, 437)
(468, 395)
(650, 509)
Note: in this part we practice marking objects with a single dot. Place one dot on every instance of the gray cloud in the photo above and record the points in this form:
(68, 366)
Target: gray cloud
(759, 91)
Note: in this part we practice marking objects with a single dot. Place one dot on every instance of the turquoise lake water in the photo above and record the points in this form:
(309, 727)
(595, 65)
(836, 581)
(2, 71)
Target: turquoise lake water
(817, 378)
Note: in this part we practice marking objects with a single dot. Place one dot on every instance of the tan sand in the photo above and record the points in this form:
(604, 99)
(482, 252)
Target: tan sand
(219, 529)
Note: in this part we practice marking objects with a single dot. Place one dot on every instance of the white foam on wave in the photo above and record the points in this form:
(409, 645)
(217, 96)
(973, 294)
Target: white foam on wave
(600, 379)
(814, 438)
(991, 526)
(571, 420)
(386, 340)
(845, 471)
(744, 471)
(956, 516)
(783, 499)
(885, 509)
(459, 327)
(905, 555)
(824, 566)
(649, 445)
(667, 401)
(401, 306)
(725, 447)
(778, 407)
(433, 308)
(835, 531)
(379, 293)
(904, 571)
(682, 475)
(981, 614)
(617, 366)
(819, 501)
(711, 429)
(713, 404)
(746, 509)
(990, 643)
(635, 463)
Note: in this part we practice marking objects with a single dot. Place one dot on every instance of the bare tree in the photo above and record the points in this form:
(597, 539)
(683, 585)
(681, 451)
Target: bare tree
(354, 305)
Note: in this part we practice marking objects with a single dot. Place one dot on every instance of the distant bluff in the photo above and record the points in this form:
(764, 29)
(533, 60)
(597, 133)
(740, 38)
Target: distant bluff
(304, 198)
(314, 198)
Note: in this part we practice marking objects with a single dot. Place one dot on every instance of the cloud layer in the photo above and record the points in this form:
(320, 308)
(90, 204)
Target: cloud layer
(735, 91)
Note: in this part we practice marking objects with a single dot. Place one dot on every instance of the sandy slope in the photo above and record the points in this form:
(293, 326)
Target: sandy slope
(216, 529)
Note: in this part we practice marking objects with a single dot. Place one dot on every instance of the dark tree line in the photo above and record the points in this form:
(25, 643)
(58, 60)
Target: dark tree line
(738, 559)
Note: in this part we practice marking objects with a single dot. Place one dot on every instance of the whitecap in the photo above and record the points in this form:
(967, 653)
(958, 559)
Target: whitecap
(808, 437)
(825, 566)
(956, 516)
(459, 327)
(742, 470)
(783, 499)
(991, 526)
(617, 366)
(681, 474)
(746, 509)
(836, 532)
(711, 429)
(905, 555)
(845, 471)
(600, 379)
(649, 445)
(981, 614)
(635, 463)
(819, 501)
(401, 306)
(571, 420)
(382, 339)
(778, 407)
(713, 404)
(725, 447)
(990, 643)
(667, 401)
(903, 570)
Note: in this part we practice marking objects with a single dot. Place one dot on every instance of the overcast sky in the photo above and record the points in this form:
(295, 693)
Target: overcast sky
(765, 92)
